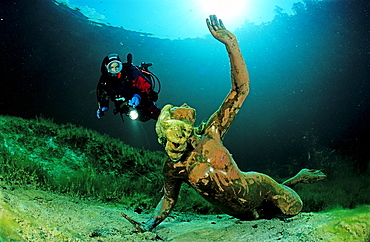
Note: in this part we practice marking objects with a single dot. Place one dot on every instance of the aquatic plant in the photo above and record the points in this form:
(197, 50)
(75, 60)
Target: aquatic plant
(74, 160)
(347, 225)
(65, 158)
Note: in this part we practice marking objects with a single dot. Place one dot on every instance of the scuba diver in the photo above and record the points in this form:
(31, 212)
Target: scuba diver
(130, 87)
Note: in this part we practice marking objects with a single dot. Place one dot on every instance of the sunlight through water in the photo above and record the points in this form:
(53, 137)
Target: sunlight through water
(232, 12)
(177, 18)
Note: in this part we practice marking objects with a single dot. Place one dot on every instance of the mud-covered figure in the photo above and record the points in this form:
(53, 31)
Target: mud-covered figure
(198, 157)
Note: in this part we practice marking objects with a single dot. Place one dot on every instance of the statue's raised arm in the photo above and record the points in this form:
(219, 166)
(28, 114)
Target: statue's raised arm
(226, 113)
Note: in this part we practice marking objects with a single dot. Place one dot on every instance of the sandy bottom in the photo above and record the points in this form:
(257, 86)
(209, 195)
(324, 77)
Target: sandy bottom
(34, 215)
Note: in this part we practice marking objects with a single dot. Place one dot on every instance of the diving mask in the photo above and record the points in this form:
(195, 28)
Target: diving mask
(114, 67)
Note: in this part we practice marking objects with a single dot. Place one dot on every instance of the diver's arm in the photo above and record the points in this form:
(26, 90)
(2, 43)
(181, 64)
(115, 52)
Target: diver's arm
(101, 95)
(165, 206)
(226, 113)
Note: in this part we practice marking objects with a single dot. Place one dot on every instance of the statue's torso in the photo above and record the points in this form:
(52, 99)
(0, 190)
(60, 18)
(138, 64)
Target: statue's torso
(213, 173)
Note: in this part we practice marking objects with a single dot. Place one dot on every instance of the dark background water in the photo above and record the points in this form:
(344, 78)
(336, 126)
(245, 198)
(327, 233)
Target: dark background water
(309, 77)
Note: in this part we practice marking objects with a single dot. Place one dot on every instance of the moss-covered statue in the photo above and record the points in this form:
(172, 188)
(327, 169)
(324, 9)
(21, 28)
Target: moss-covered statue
(198, 157)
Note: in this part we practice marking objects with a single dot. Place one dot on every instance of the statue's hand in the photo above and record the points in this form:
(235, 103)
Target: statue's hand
(218, 30)
(141, 228)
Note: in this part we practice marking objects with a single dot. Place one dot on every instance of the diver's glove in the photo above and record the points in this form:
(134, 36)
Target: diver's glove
(100, 112)
(135, 100)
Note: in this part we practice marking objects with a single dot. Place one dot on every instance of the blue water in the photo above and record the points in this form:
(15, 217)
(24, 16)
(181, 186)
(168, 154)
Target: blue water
(309, 78)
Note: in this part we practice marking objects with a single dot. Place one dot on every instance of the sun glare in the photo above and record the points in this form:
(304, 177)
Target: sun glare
(231, 11)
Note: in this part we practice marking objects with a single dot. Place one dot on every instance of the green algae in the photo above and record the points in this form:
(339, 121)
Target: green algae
(8, 226)
(73, 160)
(347, 225)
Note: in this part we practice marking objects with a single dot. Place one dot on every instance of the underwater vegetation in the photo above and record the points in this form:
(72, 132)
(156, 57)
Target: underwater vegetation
(72, 160)
(67, 159)
(347, 225)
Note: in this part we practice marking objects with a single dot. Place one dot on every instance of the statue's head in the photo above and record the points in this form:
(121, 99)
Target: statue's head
(174, 127)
